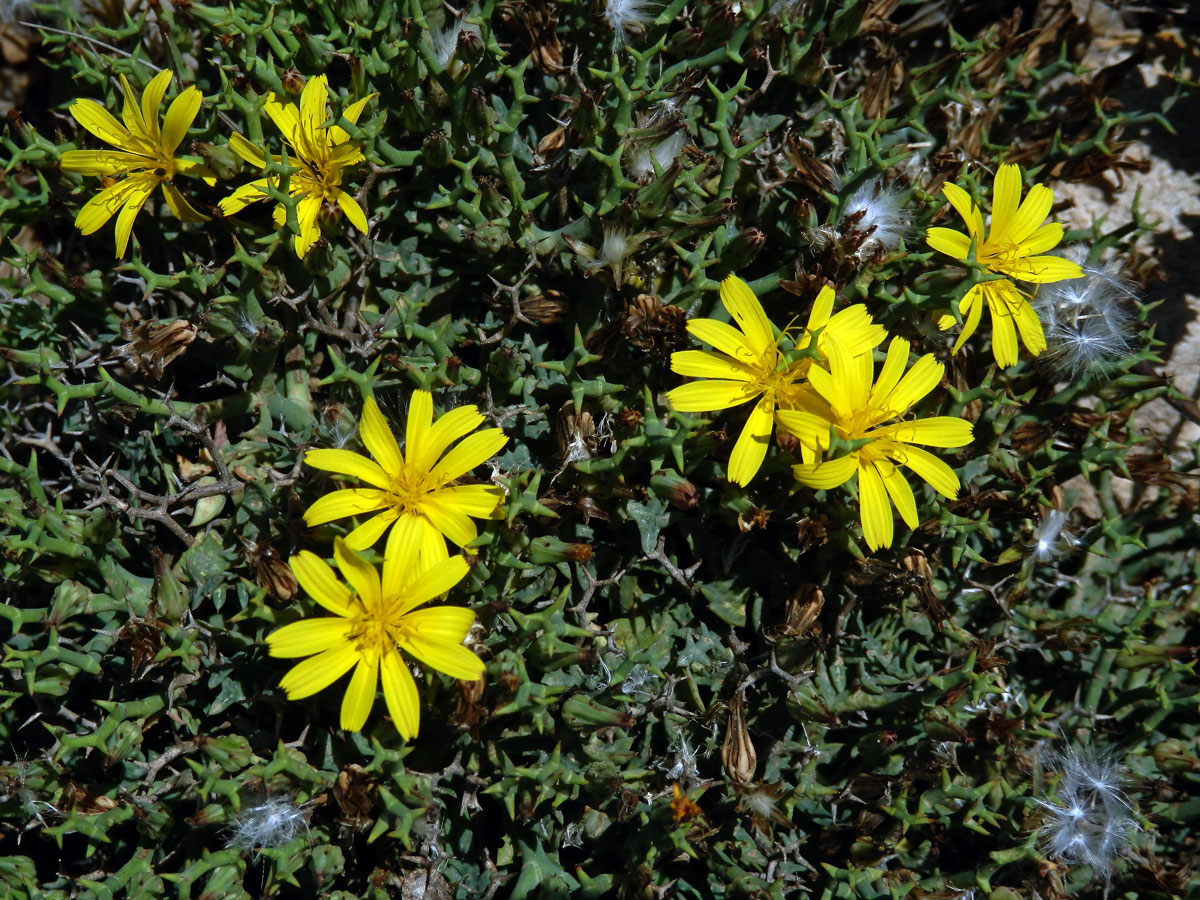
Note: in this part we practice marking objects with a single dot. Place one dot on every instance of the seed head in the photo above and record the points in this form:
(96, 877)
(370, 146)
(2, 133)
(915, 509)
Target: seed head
(1089, 321)
(629, 17)
(267, 823)
(1092, 822)
(877, 211)
(1051, 539)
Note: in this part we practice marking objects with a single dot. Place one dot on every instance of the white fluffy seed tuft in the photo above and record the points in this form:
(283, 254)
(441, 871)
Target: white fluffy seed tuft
(1089, 321)
(629, 17)
(267, 823)
(663, 155)
(876, 211)
(1091, 820)
(1051, 539)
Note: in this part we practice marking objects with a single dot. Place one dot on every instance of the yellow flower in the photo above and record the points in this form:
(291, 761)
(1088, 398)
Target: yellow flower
(320, 153)
(373, 619)
(748, 364)
(864, 416)
(145, 155)
(413, 485)
(1010, 247)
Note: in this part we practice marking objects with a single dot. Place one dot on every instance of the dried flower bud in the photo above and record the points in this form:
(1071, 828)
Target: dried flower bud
(800, 614)
(737, 752)
(153, 345)
(545, 308)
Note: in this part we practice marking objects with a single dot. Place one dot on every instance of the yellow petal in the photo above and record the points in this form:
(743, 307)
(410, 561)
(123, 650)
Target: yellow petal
(308, 213)
(1044, 269)
(900, 492)
(710, 395)
(1030, 215)
(741, 303)
(1029, 326)
(100, 162)
(965, 206)
(434, 581)
(706, 364)
(352, 211)
(456, 525)
(420, 418)
(472, 451)
(360, 695)
(435, 636)
(132, 114)
(433, 545)
(1004, 332)
(100, 208)
(751, 446)
(359, 574)
(344, 462)
(100, 122)
(1045, 238)
(936, 431)
(946, 240)
(922, 378)
(972, 304)
(179, 205)
(193, 168)
(875, 508)
(818, 317)
(370, 531)
(1006, 196)
(400, 694)
(152, 101)
(482, 501)
(318, 672)
(180, 115)
(308, 637)
(285, 117)
(348, 502)
(378, 438)
(401, 559)
(893, 368)
(142, 186)
(725, 338)
(247, 151)
(314, 109)
(338, 135)
(321, 584)
(447, 429)
(811, 430)
(825, 476)
(855, 329)
(939, 475)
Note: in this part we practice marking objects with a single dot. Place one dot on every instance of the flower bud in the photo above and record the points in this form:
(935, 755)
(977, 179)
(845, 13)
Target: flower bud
(479, 115)
(1173, 757)
(548, 550)
(293, 81)
(435, 150)
(675, 489)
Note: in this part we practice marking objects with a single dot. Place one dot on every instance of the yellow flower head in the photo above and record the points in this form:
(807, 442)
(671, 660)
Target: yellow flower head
(319, 152)
(859, 412)
(413, 486)
(373, 619)
(145, 155)
(1011, 247)
(748, 364)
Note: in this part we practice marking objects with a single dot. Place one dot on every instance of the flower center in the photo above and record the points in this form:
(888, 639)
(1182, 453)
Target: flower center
(408, 489)
(377, 632)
